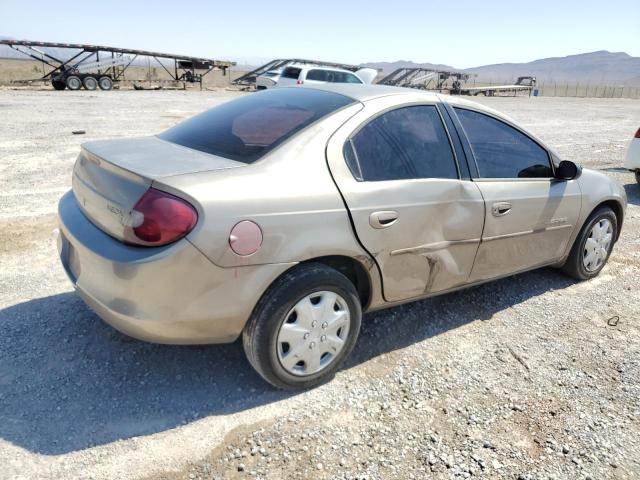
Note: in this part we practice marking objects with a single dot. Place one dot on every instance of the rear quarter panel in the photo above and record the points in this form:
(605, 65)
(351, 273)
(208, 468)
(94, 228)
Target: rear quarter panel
(289, 193)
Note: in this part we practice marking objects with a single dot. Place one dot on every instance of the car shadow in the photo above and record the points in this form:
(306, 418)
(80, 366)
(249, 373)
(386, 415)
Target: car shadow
(633, 193)
(68, 381)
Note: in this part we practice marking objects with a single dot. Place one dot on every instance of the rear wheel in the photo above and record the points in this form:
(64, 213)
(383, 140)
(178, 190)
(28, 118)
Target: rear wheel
(593, 245)
(90, 83)
(73, 82)
(304, 327)
(105, 83)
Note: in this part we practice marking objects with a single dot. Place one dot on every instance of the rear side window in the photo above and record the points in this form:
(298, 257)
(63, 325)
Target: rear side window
(500, 150)
(291, 72)
(317, 74)
(247, 128)
(405, 143)
(332, 76)
(345, 77)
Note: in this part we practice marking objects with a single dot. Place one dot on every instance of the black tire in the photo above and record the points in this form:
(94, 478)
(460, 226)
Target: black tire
(261, 332)
(638, 176)
(574, 266)
(105, 83)
(58, 84)
(90, 83)
(73, 82)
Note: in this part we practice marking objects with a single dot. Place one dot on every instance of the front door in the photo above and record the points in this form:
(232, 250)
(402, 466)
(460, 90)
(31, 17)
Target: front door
(529, 215)
(398, 175)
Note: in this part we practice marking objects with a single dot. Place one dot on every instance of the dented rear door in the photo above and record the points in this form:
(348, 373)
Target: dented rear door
(423, 232)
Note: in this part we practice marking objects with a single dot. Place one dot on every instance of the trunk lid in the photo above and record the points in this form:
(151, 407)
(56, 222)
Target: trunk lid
(110, 176)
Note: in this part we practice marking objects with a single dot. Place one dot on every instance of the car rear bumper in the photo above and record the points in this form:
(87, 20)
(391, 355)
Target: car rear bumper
(170, 294)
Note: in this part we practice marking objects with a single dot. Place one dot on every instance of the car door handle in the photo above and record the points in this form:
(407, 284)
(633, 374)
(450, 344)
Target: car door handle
(383, 219)
(500, 208)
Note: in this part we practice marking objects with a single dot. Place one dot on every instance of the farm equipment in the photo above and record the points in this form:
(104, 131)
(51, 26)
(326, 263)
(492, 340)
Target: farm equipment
(96, 66)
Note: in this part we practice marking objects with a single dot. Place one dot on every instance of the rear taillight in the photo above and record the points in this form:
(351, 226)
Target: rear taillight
(160, 218)
(637, 135)
(299, 82)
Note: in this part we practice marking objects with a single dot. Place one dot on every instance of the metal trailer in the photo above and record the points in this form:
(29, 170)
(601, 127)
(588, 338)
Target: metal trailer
(249, 78)
(433, 79)
(522, 84)
(426, 79)
(98, 66)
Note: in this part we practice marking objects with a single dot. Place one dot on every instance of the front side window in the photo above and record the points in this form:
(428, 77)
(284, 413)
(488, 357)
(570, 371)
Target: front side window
(247, 128)
(405, 143)
(501, 151)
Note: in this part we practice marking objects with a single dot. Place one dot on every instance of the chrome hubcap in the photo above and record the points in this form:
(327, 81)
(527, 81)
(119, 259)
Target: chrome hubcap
(596, 248)
(313, 333)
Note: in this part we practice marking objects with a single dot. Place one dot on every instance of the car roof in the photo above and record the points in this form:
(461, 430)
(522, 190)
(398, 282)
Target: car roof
(364, 92)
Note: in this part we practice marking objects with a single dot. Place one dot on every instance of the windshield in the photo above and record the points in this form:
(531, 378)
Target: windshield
(247, 128)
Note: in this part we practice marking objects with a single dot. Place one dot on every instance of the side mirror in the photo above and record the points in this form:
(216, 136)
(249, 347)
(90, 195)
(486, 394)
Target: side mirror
(567, 170)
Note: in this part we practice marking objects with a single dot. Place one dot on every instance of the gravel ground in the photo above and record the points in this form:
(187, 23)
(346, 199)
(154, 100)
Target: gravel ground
(524, 378)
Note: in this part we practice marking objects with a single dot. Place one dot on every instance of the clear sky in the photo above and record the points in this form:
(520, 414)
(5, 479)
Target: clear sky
(460, 33)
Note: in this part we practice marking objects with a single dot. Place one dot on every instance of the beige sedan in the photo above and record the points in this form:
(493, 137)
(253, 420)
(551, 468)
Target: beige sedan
(283, 215)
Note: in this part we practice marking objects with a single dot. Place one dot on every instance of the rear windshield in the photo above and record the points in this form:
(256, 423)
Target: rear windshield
(247, 128)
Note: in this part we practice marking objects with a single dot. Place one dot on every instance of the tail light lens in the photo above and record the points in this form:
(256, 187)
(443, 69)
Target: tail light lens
(637, 135)
(160, 218)
(299, 82)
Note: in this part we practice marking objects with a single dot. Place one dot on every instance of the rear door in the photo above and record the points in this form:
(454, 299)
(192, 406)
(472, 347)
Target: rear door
(411, 210)
(530, 215)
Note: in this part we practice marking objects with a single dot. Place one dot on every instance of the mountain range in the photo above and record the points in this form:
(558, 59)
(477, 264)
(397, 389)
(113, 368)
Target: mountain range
(601, 67)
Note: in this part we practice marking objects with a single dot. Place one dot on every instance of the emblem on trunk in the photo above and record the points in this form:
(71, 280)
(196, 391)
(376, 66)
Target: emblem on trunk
(116, 211)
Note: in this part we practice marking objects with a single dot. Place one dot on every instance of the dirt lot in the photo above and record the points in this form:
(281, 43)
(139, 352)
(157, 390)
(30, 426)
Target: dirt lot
(525, 378)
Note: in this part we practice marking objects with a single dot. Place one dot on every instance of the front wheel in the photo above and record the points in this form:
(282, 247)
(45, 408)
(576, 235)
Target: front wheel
(304, 327)
(593, 245)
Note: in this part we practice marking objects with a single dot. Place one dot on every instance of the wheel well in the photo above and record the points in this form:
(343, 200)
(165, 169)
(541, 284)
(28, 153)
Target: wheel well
(617, 209)
(353, 270)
